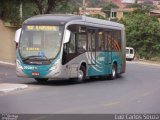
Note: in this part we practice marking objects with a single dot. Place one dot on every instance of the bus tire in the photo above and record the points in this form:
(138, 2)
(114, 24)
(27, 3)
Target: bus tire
(113, 75)
(41, 80)
(81, 74)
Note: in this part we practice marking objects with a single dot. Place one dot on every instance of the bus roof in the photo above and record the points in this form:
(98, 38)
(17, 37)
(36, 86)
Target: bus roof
(59, 19)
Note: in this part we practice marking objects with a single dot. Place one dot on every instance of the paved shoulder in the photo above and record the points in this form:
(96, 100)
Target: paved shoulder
(7, 87)
(144, 63)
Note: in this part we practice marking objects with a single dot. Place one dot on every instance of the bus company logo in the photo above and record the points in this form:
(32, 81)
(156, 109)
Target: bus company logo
(30, 68)
(101, 59)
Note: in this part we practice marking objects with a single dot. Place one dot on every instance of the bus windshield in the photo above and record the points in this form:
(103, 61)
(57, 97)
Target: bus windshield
(40, 42)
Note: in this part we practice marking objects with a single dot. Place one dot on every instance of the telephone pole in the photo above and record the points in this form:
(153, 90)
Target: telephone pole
(84, 7)
(20, 11)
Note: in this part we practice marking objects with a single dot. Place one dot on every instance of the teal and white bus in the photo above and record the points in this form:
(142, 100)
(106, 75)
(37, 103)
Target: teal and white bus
(70, 46)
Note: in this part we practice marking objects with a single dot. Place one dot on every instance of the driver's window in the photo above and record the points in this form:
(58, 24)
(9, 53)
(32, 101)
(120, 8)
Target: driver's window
(72, 45)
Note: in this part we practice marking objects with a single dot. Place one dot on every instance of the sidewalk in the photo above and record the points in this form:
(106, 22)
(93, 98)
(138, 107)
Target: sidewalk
(7, 63)
(8, 87)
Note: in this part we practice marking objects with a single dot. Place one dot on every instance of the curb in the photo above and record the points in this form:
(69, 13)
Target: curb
(7, 63)
(8, 87)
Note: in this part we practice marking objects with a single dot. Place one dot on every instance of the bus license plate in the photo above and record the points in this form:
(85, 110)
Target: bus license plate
(35, 73)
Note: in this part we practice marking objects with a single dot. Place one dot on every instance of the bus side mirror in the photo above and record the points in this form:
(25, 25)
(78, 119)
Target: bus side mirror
(67, 36)
(17, 36)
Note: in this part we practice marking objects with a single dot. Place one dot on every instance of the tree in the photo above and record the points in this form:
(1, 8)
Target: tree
(9, 11)
(64, 7)
(46, 6)
(146, 6)
(142, 33)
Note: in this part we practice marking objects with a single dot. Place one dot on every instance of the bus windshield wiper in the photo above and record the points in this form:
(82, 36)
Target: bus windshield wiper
(34, 57)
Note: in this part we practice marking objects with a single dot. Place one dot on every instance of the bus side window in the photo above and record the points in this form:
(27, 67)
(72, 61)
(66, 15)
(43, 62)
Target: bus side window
(69, 49)
(100, 41)
(119, 39)
(116, 43)
(93, 41)
(89, 41)
(71, 46)
(108, 40)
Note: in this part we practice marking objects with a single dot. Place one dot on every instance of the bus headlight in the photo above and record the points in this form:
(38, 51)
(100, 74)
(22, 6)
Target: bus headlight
(19, 65)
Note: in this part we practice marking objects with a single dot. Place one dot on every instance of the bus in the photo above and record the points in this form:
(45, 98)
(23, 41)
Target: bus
(75, 47)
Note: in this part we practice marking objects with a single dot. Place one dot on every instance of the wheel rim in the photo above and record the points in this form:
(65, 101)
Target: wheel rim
(113, 72)
(80, 75)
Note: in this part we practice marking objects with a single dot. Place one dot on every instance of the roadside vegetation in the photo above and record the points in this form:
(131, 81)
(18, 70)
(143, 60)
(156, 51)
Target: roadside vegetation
(143, 33)
(142, 29)
(10, 9)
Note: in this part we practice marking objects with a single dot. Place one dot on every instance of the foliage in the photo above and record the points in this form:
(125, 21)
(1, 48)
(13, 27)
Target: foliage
(64, 7)
(9, 11)
(146, 6)
(29, 10)
(142, 33)
(46, 6)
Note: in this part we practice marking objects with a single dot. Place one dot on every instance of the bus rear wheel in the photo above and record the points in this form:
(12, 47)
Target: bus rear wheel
(41, 80)
(81, 74)
(113, 75)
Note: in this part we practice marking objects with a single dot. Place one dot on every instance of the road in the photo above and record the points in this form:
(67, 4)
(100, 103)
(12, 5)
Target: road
(136, 91)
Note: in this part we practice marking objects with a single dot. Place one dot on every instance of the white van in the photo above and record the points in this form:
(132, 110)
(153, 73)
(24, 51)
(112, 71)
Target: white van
(129, 53)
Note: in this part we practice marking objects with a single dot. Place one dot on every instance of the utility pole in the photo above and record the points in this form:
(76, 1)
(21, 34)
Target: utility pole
(20, 11)
(84, 7)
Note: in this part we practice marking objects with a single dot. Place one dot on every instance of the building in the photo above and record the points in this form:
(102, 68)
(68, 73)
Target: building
(125, 3)
(91, 11)
(156, 3)
(140, 1)
(118, 3)
(119, 13)
(128, 1)
(155, 13)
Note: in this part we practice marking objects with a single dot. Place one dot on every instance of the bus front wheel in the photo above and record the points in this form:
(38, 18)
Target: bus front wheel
(41, 80)
(81, 74)
(113, 74)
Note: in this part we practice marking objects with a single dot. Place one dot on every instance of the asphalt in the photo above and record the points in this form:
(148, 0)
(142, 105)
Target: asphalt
(8, 87)
(136, 91)
(5, 84)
